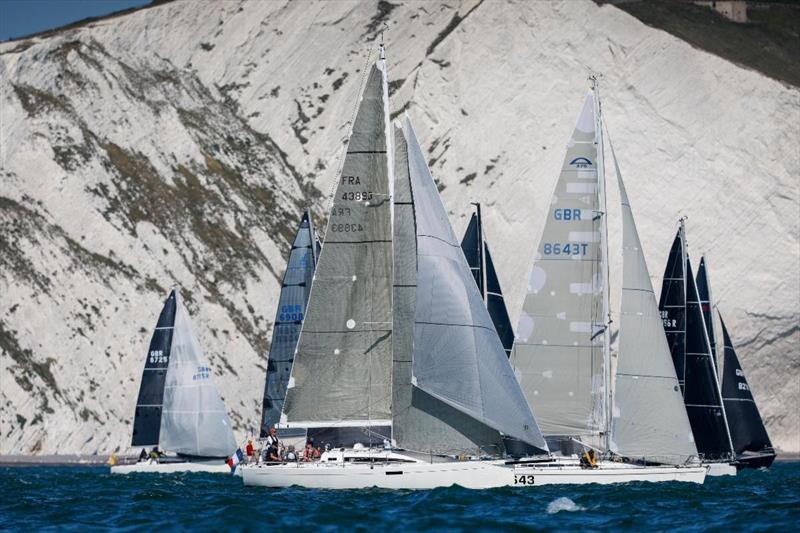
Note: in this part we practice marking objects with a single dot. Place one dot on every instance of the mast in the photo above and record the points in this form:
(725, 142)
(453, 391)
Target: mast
(601, 177)
(713, 366)
(684, 274)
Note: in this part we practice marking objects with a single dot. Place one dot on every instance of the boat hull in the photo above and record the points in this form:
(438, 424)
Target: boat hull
(721, 469)
(173, 467)
(468, 474)
(763, 460)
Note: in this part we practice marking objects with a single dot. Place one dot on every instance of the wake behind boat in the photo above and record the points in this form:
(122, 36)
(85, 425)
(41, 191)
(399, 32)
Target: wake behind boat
(179, 408)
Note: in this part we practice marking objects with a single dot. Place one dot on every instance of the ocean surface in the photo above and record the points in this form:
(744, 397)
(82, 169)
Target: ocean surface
(89, 498)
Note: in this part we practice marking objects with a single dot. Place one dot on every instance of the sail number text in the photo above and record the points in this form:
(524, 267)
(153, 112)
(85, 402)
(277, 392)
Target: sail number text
(158, 357)
(567, 214)
(573, 248)
(346, 228)
(523, 479)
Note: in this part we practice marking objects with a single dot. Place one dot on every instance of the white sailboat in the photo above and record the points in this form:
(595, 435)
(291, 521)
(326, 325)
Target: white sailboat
(562, 349)
(399, 368)
(179, 410)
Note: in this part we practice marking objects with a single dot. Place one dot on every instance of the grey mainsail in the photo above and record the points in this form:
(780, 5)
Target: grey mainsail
(295, 289)
(649, 418)
(560, 349)
(194, 420)
(457, 356)
(341, 377)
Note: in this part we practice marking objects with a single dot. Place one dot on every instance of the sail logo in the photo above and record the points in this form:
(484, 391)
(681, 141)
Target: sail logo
(203, 372)
(158, 357)
(580, 162)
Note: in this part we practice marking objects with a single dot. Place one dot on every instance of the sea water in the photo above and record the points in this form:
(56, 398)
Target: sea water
(89, 498)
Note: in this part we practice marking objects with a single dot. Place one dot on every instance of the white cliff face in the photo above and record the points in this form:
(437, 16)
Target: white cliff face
(178, 144)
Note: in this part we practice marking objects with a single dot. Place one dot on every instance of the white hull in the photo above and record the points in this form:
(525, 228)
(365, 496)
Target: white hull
(474, 474)
(721, 469)
(172, 467)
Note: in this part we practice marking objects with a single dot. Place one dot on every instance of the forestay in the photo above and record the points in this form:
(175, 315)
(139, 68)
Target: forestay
(292, 302)
(341, 372)
(560, 337)
(649, 419)
(194, 420)
(457, 355)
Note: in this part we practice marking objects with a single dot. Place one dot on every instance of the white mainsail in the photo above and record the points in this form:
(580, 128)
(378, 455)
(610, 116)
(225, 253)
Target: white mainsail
(560, 350)
(649, 418)
(194, 420)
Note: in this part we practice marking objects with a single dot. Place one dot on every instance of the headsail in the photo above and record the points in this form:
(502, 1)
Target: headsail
(560, 348)
(747, 428)
(295, 289)
(341, 376)
(691, 354)
(704, 290)
(479, 259)
(457, 356)
(147, 419)
(194, 420)
(649, 416)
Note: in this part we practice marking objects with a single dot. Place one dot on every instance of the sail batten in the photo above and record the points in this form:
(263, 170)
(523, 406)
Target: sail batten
(649, 418)
(559, 351)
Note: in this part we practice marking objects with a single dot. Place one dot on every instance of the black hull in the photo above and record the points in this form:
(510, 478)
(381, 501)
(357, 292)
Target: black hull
(763, 460)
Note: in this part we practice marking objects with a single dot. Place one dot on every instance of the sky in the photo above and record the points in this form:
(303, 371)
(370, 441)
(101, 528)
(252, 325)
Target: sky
(23, 17)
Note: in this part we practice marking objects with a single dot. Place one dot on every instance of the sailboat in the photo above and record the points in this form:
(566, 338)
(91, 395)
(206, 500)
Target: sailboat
(748, 434)
(295, 288)
(399, 371)
(687, 334)
(479, 259)
(561, 353)
(178, 409)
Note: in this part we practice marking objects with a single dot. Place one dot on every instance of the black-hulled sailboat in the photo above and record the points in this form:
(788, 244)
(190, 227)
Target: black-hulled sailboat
(685, 327)
(748, 433)
(295, 288)
(179, 410)
(479, 259)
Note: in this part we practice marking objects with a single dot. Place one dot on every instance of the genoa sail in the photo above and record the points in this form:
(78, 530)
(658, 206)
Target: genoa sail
(341, 376)
(704, 291)
(457, 357)
(295, 289)
(748, 432)
(194, 420)
(560, 348)
(479, 259)
(149, 404)
(691, 353)
(649, 419)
